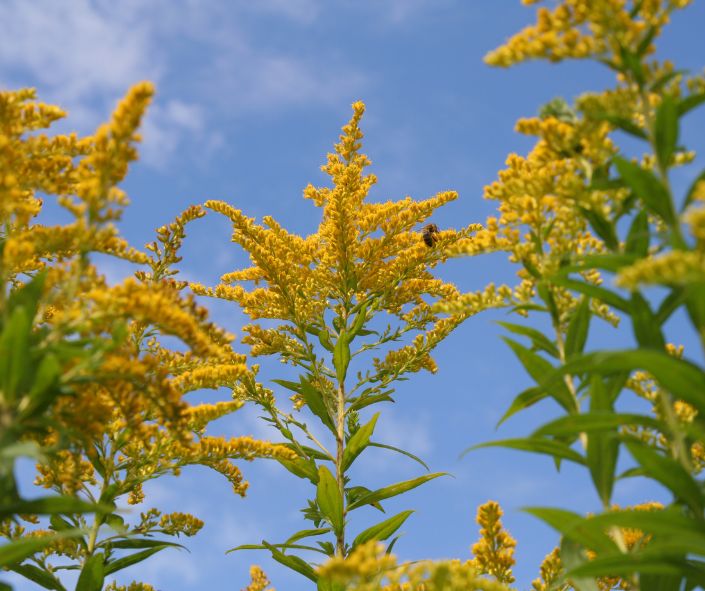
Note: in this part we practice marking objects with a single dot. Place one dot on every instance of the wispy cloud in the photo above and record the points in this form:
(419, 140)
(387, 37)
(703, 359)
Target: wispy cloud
(84, 54)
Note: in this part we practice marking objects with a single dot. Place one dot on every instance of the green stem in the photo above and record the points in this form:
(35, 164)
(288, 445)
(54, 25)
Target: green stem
(339, 470)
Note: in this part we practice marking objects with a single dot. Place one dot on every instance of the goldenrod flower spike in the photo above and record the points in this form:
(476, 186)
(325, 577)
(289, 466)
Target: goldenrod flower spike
(494, 552)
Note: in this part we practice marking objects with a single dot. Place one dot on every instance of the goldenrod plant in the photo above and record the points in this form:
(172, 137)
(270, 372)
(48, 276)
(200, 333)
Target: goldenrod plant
(87, 385)
(343, 299)
(593, 228)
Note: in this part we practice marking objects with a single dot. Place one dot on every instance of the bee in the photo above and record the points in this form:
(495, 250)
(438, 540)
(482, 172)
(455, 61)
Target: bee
(430, 235)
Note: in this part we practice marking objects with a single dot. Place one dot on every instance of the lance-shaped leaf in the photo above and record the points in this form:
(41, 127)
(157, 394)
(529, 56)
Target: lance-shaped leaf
(638, 237)
(39, 576)
(578, 328)
(52, 506)
(131, 559)
(92, 574)
(602, 446)
(401, 451)
(341, 356)
(668, 472)
(293, 562)
(596, 421)
(539, 340)
(541, 445)
(666, 131)
(137, 543)
(314, 400)
(648, 188)
(303, 468)
(573, 554)
(576, 528)
(306, 533)
(382, 530)
(682, 378)
(392, 490)
(538, 368)
(646, 327)
(594, 291)
(16, 551)
(523, 400)
(329, 498)
(358, 442)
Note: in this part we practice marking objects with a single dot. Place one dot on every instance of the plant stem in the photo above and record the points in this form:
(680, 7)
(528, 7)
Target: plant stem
(339, 470)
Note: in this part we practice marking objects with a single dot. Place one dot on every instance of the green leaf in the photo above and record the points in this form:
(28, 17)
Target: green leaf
(690, 102)
(43, 390)
(670, 304)
(539, 445)
(324, 337)
(92, 574)
(668, 472)
(341, 356)
(648, 188)
(364, 401)
(538, 339)
(301, 468)
(575, 527)
(538, 368)
(602, 446)
(578, 328)
(638, 236)
(666, 131)
(358, 323)
(632, 64)
(680, 377)
(293, 386)
(401, 451)
(602, 227)
(329, 498)
(609, 261)
(14, 353)
(646, 327)
(622, 123)
(574, 555)
(16, 551)
(39, 576)
(293, 562)
(137, 543)
(382, 530)
(595, 421)
(690, 195)
(358, 442)
(354, 493)
(131, 559)
(594, 291)
(525, 399)
(51, 506)
(392, 490)
(326, 585)
(315, 402)
(306, 533)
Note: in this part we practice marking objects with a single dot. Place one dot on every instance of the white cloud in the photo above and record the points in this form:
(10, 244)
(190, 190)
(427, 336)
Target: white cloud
(84, 54)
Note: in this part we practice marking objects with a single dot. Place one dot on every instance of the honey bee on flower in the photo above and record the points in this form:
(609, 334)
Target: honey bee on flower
(430, 235)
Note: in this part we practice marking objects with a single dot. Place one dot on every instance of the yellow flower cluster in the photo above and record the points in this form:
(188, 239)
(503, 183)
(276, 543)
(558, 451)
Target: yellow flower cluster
(494, 551)
(540, 196)
(258, 580)
(369, 568)
(177, 523)
(134, 586)
(365, 256)
(126, 420)
(551, 570)
(585, 28)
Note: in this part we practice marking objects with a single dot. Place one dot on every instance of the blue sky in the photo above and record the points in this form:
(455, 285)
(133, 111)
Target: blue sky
(251, 96)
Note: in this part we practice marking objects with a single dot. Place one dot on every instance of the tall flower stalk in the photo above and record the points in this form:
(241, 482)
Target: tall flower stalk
(332, 303)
